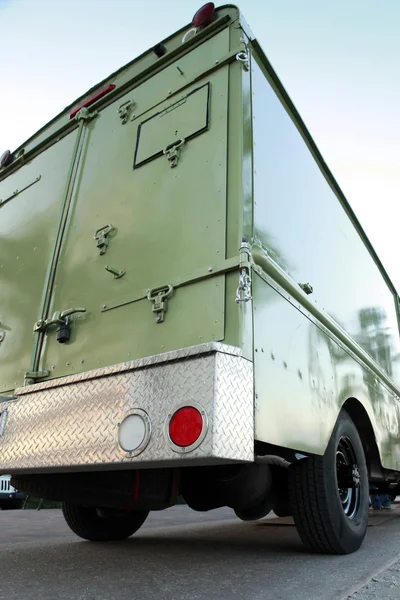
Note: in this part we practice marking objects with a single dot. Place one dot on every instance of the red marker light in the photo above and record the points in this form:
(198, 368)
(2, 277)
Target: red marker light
(6, 158)
(186, 426)
(204, 16)
(92, 99)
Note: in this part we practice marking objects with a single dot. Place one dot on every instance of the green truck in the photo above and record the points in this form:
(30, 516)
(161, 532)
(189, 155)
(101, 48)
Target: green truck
(189, 307)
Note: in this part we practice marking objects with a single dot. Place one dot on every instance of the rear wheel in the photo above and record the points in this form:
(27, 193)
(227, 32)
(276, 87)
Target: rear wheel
(329, 494)
(102, 525)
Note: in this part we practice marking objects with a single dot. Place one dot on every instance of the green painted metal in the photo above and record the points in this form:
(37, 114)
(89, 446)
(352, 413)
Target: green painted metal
(28, 226)
(144, 68)
(239, 318)
(177, 281)
(15, 193)
(178, 110)
(160, 228)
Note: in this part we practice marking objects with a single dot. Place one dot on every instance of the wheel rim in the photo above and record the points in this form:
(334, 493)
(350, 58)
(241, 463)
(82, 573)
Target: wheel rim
(348, 477)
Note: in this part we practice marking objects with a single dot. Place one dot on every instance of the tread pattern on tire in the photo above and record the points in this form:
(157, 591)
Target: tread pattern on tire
(308, 492)
(313, 493)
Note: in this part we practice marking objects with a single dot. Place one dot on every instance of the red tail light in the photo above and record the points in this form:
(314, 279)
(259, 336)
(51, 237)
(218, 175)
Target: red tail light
(186, 426)
(6, 158)
(205, 15)
(92, 99)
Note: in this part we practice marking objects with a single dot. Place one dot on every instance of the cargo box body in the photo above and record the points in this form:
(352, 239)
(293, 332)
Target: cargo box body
(180, 242)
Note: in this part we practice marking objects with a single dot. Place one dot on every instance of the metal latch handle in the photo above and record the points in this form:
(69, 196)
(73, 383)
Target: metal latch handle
(58, 318)
(159, 296)
(172, 152)
(101, 237)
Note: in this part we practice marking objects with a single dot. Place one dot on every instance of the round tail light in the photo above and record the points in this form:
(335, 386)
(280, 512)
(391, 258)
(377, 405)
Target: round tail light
(6, 158)
(134, 433)
(187, 428)
(204, 16)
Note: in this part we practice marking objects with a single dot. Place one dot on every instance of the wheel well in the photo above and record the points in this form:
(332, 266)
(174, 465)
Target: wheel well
(362, 421)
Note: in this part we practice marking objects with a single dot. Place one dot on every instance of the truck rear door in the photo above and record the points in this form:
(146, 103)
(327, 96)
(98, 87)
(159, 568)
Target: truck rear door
(148, 212)
(31, 201)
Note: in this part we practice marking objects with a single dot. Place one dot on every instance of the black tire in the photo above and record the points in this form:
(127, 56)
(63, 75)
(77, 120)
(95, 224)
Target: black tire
(102, 525)
(330, 498)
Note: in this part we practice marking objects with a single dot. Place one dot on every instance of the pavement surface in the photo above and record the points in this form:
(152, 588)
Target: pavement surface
(180, 554)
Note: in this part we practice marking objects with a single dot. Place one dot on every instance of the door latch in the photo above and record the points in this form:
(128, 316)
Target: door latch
(125, 110)
(61, 320)
(101, 236)
(173, 152)
(159, 296)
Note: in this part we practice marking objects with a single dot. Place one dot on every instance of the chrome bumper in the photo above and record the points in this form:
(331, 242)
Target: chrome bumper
(72, 423)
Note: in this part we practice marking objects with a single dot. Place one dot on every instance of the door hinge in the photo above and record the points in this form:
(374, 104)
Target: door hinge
(243, 293)
(85, 115)
(243, 57)
(159, 296)
(32, 376)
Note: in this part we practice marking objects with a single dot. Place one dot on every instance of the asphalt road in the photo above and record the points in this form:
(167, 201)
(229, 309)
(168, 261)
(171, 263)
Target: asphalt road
(180, 555)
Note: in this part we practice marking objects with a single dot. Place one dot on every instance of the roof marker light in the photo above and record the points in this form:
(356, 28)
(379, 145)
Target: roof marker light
(159, 50)
(109, 88)
(205, 15)
(189, 34)
(6, 158)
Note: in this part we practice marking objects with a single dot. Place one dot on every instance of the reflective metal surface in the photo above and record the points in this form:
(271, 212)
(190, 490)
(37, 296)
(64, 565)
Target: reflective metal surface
(305, 370)
(307, 232)
(303, 377)
(73, 422)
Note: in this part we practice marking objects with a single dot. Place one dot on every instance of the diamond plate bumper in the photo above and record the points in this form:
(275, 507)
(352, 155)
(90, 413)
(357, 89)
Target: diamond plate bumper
(72, 423)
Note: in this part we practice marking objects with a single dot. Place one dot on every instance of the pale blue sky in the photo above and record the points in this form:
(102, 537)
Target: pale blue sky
(338, 60)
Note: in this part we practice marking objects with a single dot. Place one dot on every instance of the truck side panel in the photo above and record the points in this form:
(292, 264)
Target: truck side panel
(303, 378)
(301, 222)
(303, 227)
